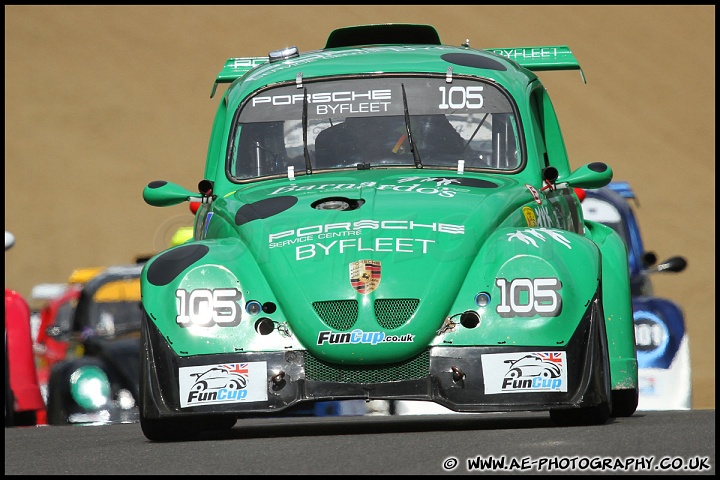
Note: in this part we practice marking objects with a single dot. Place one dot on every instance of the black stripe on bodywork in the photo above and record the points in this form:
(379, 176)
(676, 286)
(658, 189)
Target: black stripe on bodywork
(473, 182)
(598, 166)
(473, 60)
(263, 209)
(167, 266)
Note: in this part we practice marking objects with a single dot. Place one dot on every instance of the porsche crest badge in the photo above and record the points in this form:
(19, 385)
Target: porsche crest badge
(365, 275)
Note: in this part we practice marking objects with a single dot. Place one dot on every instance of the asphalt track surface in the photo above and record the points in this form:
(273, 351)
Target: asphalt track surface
(671, 442)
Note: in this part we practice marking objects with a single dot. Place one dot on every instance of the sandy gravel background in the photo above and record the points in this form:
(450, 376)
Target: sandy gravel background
(101, 100)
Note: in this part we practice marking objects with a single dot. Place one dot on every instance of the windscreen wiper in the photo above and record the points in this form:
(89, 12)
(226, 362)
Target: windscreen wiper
(475, 132)
(308, 165)
(413, 148)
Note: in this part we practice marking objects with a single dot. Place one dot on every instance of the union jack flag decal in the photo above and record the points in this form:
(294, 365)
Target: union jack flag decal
(237, 368)
(554, 357)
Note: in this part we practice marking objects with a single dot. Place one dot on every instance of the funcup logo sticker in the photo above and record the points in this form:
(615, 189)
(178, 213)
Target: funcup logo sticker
(223, 383)
(522, 372)
(358, 336)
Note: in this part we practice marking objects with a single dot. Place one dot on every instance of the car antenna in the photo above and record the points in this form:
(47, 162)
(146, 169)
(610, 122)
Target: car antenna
(413, 149)
(308, 165)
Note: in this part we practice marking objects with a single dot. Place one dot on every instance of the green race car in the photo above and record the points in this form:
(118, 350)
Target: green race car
(387, 218)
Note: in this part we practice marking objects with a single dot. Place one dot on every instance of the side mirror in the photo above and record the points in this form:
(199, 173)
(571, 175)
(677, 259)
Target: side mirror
(56, 333)
(592, 175)
(165, 194)
(672, 264)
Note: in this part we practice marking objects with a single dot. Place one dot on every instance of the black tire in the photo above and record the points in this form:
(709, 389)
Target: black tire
(58, 396)
(159, 429)
(597, 415)
(624, 402)
(169, 429)
(26, 418)
(184, 428)
(220, 422)
(9, 401)
(9, 396)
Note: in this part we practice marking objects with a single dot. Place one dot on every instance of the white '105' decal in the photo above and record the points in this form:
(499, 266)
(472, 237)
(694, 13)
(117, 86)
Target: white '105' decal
(461, 97)
(205, 307)
(525, 297)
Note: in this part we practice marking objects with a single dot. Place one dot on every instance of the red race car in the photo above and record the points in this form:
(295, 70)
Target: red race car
(23, 402)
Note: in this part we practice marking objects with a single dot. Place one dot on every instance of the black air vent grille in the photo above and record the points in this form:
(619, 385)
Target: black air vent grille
(337, 314)
(416, 368)
(394, 312)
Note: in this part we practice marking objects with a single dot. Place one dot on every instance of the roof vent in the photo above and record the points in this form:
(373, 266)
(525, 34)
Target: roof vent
(383, 34)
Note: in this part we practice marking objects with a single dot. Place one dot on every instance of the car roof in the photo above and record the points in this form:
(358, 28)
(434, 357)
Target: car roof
(398, 59)
(398, 49)
(83, 275)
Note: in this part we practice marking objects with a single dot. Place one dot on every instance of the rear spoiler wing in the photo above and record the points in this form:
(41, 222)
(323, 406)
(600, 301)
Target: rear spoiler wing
(557, 57)
(235, 68)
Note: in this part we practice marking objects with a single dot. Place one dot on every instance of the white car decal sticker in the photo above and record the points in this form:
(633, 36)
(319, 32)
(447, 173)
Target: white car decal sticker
(526, 235)
(525, 372)
(223, 383)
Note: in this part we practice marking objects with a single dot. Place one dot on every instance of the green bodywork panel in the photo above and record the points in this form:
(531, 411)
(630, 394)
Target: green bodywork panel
(618, 306)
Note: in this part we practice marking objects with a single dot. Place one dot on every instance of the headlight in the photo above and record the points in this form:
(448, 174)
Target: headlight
(90, 387)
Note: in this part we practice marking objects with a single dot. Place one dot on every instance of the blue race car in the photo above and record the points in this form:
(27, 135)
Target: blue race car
(663, 351)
